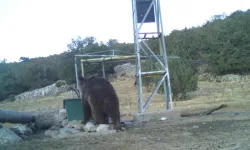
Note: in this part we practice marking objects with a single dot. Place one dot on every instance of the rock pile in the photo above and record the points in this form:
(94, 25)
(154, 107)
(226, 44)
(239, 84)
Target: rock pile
(54, 123)
(15, 134)
(224, 78)
(76, 128)
(124, 71)
(51, 90)
(62, 128)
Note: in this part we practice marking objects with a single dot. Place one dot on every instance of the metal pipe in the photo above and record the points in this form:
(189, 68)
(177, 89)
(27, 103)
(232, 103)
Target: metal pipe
(82, 68)
(99, 52)
(95, 55)
(111, 61)
(156, 89)
(148, 33)
(12, 116)
(77, 82)
(103, 70)
(165, 58)
(109, 58)
(165, 88)
(137, 53)
(154, 55)
(153, 72)
(144, 51)
(108, 51)
(124, 57)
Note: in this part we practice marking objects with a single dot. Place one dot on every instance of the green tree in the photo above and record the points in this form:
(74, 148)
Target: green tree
(112, 42)
(3, 61)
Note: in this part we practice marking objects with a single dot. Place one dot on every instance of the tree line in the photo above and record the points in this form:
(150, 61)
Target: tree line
(222, 43)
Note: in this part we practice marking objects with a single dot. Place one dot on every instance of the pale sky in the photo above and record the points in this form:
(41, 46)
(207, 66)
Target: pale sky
(33, 28)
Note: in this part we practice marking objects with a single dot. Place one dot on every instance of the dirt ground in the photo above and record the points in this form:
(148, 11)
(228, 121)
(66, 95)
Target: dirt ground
(221, 130)
(228, 128)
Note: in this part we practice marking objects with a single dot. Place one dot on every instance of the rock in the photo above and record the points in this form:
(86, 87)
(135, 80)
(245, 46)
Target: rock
(72, 123)
(125, 70)
(68, 131)
(60, 83)
(62, 133)
(63, 113)
(55, 127)
(69, 125)
(7, 136)
(51, 133)
(60, 116)
(21, 130)
(31, 126)
(47, 118)
(24, 137)
(206, 77)
(76, 124)
(101, 133)
(79, 127)
(187, 134)
(163, 118)
(64, 122)
(102, 128)
(127, 124)
(65, 132)
(89, 127)
(144, 138)
(230, 78)
(195, 127)
(224, 78)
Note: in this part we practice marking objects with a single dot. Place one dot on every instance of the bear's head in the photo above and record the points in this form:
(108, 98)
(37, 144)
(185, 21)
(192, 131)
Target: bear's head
(82, 80)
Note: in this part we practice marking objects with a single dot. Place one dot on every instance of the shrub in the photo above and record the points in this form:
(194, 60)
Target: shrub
(183, 78)
(60, 83)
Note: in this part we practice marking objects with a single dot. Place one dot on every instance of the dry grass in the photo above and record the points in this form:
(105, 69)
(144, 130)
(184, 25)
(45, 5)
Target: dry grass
(236, 95)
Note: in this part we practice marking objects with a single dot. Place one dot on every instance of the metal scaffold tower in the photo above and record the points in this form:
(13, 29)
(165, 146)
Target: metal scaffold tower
(149, 11)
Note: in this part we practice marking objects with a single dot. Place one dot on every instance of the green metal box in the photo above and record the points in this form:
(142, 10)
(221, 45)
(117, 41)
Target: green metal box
(74, 109)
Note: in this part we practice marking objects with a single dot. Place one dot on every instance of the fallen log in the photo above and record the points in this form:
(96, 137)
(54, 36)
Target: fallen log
(11, 116)
(207, 112)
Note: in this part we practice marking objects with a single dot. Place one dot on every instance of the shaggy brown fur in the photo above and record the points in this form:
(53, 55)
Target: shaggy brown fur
(99, 101)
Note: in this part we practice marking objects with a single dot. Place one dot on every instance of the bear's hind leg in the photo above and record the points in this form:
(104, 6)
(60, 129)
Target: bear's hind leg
(116, 119)
(87, 113)
(100, 116)
(105, 118)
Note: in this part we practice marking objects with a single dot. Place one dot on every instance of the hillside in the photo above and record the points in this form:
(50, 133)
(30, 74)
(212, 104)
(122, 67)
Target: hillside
(221, 43)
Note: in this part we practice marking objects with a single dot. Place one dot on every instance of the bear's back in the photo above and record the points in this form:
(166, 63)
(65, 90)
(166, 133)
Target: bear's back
(100, 86)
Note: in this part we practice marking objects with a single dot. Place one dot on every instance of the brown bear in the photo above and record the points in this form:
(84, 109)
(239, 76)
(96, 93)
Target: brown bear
(99, 101)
